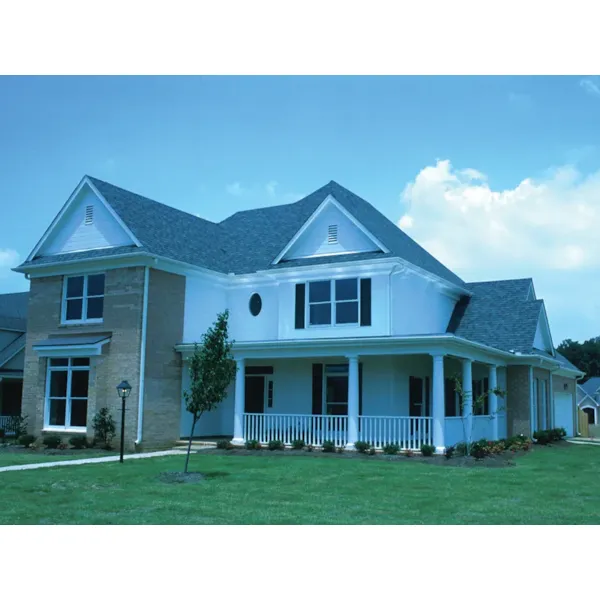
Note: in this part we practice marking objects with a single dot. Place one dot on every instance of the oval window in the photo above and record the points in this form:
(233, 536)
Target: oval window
(255, 304)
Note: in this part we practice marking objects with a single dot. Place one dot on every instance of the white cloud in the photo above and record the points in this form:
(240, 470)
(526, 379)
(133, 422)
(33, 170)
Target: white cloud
(9, 258)
(590, 86)
(235, 189)
(270, 187)
(545, 228)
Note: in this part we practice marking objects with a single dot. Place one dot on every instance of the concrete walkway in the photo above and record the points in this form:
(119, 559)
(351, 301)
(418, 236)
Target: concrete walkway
(89, 461)
(588, 441)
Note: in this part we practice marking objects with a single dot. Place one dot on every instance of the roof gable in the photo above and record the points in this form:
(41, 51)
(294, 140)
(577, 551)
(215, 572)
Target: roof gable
(72, 230)
(543, 338)
(591, 386)
(330, 230)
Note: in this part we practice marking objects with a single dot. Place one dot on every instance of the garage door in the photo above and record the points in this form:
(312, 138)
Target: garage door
(563, 412)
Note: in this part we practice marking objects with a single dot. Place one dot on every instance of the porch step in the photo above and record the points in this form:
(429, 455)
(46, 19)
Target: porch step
(196, 444)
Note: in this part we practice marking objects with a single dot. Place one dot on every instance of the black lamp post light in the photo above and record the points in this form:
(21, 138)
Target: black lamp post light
(123, 389)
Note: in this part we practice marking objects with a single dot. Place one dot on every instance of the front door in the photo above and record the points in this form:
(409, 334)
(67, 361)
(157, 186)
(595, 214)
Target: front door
(415, 397)
(255, 394)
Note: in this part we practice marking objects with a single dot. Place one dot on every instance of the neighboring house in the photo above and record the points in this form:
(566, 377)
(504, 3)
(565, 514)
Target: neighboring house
(344, 327)
(13, 323)
(588, 398)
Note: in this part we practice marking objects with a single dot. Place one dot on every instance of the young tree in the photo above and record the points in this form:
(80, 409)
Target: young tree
(212, 369)
(464, 398)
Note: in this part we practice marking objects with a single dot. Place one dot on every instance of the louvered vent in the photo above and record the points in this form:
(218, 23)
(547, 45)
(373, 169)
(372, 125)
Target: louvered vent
(332, 234)
(89, 215)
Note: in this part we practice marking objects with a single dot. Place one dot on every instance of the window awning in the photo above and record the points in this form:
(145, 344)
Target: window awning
(72, 345)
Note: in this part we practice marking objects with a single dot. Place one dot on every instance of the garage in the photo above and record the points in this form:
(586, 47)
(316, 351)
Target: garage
(563, 411)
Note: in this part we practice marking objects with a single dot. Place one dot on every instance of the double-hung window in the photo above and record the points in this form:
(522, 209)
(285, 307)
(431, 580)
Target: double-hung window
(333, 302)
(83, 299)
(67, 388)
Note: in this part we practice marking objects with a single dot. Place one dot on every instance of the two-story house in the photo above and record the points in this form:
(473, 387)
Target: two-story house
(344, 327)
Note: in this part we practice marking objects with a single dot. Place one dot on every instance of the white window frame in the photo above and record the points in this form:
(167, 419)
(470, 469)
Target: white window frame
(84, 298)
(333, 301)
(69, 368)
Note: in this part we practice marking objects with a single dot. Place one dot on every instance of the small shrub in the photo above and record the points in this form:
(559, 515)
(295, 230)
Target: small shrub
(18, 425)
(328, 446)
(497, 447)
(427, 450)
(310, 448)
(460, 449)
(276, 445)
(542, 437)
(26, 440)
(63, 446)
(562, 432)
(340, 450)
(480, 449)
(449, 452)
(78, 442)
(362, 447)
(224, 445)
(409, 454)
(371, 452)
(104, 428)
(557, 434)
(297, 444)
(253, 445)
(52, 441)
(2, 433)
(391, 449)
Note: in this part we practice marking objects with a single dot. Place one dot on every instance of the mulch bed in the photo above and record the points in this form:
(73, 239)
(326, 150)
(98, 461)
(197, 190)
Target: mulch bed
(15, 449)
(494, 461)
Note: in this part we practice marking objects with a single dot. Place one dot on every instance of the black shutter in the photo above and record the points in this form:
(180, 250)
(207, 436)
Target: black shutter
(317, 388)
(365, 302)
(360, 380)
(300, 300)
(450, 398)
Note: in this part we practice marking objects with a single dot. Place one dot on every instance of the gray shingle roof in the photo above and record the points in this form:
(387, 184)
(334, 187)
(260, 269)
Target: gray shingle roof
(591, 385)
(498, 315)
(13, 311)
(11, 349)
(249, 240)
(565, 361)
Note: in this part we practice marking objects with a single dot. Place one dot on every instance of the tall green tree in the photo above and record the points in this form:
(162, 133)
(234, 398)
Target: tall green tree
(212, 369)
(585, 356)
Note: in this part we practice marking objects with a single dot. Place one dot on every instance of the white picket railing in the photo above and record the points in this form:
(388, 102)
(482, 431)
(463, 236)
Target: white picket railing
(410, 433)
(313, 429)
(5, 424)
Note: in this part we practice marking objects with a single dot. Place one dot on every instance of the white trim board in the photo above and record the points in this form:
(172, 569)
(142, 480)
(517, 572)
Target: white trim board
(329, 201)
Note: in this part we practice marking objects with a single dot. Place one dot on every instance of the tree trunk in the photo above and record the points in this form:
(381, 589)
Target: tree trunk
(187, 458)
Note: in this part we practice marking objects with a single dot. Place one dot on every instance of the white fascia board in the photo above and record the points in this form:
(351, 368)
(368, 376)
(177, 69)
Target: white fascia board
(330, 200)
(72, 350)
(85, 181)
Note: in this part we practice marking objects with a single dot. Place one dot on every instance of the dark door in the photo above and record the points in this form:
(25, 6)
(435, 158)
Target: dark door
(415, 396)
(11, 391)
(255, 394)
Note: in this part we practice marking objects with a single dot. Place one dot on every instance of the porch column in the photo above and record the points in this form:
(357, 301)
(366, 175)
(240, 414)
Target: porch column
(240, 400)
(467, 399)
(493, 400)
(439, 408)
(352, 401)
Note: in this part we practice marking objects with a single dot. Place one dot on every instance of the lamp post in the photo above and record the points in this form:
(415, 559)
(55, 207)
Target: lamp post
(123, 389)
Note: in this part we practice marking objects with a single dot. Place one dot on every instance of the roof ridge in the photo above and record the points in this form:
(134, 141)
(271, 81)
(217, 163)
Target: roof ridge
(146, 199)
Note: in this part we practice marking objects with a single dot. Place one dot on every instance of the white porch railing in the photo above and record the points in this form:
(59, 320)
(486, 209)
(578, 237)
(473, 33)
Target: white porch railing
(5, 423)
(313, 429)
(410, 433)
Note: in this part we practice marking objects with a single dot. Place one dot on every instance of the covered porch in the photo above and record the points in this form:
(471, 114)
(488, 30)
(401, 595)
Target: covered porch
(401, 397)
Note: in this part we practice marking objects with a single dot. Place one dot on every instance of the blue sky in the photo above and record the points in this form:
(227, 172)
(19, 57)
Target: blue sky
(498, 177)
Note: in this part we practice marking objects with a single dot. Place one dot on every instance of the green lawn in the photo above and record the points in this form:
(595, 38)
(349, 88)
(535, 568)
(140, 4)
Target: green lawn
(548, 486)
(7, 459)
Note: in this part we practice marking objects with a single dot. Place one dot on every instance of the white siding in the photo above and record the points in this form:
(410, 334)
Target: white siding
(245, 326)
(418, 306)
(72, 234)
(541, 340)
(314, 240)
(203, 302)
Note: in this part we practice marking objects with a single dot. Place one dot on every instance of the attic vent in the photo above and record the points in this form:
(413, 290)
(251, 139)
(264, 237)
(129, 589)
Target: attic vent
(89, 215)
(332, 237)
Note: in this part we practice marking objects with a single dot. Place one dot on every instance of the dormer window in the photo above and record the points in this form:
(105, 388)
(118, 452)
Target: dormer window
(332, 234)
(89, 215)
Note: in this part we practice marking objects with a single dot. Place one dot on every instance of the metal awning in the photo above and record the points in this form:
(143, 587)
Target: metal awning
(75, 344)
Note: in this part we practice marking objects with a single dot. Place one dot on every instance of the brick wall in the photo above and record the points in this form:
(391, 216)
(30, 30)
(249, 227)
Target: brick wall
(518, 400)
(162, 394)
